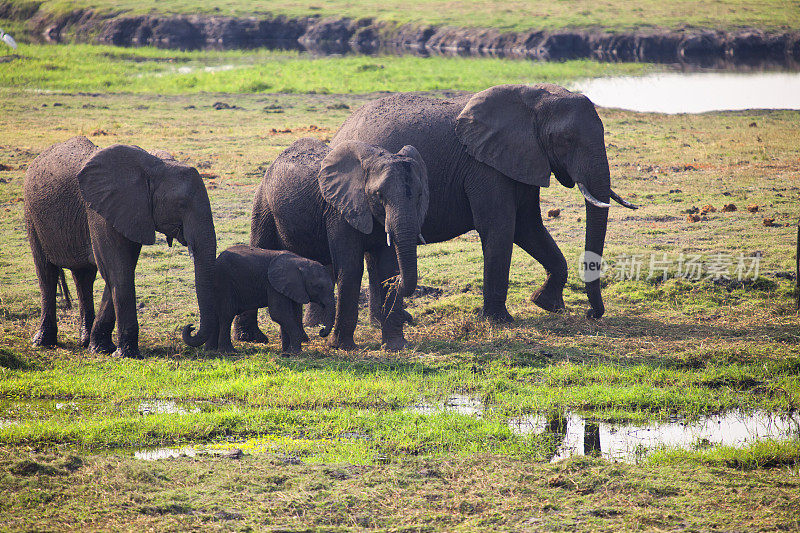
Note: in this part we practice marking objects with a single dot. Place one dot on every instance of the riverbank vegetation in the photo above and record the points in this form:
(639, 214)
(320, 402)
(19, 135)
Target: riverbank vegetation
(502, 15)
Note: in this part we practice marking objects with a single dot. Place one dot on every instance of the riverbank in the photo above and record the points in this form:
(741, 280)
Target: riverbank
(715, 45)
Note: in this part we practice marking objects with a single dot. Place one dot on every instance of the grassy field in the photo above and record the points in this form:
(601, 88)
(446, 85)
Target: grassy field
(504, 15)
(329, 440)
(149, 70)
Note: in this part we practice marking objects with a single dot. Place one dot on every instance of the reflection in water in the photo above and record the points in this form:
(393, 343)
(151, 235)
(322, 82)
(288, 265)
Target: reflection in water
(629, 442)
(695, 92)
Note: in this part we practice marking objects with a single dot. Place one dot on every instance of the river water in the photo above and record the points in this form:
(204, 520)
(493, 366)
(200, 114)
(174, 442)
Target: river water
(696, 92)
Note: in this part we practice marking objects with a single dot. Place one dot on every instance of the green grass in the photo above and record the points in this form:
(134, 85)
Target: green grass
(664, 349)
(506, 15)
(150, 70)
(56, 490)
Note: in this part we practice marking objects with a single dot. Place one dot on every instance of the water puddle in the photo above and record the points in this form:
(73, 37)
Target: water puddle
(171, 407)
(461, 404)
(157, 454)
(22, 411)
(696, 92)
(214, 68)
(631, 442)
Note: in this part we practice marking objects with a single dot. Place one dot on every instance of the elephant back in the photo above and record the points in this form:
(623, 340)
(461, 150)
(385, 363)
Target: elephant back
(54, 207)
(288, 208)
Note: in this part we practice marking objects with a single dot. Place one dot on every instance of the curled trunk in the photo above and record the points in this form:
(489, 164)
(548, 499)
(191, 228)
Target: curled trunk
(202, 242)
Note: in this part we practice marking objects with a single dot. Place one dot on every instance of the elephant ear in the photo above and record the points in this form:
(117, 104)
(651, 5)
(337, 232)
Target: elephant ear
(410, 151)
(342, 180)
(499, 127)
(115, 183)
(286, 276)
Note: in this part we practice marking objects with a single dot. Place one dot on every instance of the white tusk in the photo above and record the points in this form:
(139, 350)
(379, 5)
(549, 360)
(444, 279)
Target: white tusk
(388, 240)
(620, 201)
(591, 199)
(421, 239)
(9, 40)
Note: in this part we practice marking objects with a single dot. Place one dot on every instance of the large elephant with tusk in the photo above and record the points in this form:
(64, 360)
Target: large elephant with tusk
(488, 154)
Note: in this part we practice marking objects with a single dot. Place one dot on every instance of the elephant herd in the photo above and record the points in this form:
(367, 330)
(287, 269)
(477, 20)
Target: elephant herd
(401, 171)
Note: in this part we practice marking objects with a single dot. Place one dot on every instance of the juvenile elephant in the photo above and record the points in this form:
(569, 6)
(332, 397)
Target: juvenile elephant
(88, 209)
(338, 207)
(487, 155)
(249, 278)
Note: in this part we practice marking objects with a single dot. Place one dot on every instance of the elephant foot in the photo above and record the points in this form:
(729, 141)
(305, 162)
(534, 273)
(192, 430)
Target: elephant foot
(594, 314)
(395, 344)
(256, 336)
(45, 338)
(229, 349)
(498, 316)
(104, 347)
(314, 315)
(86, 337)
(342, 343)
(291, 349)
(548, 299)
(130, 353)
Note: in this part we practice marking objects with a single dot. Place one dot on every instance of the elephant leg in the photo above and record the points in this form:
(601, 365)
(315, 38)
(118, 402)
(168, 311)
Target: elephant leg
(531, 235)
(376, 293)
(314, 312)
(222, 337)
(494, 220)
(246, 326)
(349, 267)
(390, 303)
(298, 313)
(116, 261)
(284, 313)
(100, 337)
(47, 273)
(84, 285)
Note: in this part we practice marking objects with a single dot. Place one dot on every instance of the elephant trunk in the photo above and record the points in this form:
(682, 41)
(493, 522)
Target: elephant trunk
(405, 234)
(329, 314)
(596, 223)
(202, 241)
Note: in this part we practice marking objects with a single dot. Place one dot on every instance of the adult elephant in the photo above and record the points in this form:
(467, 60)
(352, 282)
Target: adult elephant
(487, 155)
(88, 209)
(339, 207)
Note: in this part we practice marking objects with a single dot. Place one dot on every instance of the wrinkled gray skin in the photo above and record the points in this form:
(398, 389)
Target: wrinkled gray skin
(487, 156)
(336, 207)
(88, 209)
(249, 278)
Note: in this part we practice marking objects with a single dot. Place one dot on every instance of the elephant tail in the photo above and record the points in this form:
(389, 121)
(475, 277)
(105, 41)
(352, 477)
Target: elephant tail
(62, 281)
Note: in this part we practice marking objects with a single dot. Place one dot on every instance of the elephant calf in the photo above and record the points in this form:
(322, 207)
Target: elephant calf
(248, 278)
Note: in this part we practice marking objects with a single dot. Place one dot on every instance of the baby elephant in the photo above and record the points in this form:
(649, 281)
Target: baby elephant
(248, 278)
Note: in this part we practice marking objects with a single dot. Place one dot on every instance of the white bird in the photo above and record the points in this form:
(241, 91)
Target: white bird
(9, 40)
